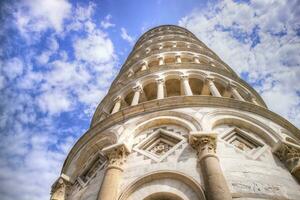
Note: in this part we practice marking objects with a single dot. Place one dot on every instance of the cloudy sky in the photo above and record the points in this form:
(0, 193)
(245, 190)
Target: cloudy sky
(58, 58)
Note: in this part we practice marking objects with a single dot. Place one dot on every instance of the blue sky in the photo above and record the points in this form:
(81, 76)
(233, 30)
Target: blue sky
(58, 58)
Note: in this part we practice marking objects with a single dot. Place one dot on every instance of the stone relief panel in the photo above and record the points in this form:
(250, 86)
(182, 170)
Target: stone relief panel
(160, 142)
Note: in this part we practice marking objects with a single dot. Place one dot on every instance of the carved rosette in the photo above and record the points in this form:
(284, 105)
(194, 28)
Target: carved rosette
(60, 189)
(289, 154)
(116, 156)
(205, 144)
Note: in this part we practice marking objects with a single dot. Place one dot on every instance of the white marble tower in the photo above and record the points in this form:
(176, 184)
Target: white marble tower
(179, 124)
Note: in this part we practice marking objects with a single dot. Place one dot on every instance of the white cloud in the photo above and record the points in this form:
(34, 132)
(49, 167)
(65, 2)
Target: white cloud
(228, 28)
(54, 101)
(12, 68)
(96, 47)
(106, 22)
(126, 37)
(36, 16)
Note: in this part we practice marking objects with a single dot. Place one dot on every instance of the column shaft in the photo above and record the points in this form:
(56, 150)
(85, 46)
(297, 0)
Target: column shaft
(196, 60)
(213, 89)
(160, 89)
(161, 61)
(144, 66)
(178, 59)
(236, 94)
(109, 187)
(117, 106)
(136, 96)
(216, 187)
(186, 86)
(116, 158)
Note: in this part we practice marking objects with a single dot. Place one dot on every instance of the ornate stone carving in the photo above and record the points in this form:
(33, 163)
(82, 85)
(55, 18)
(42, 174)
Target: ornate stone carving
(159, 144)
(160, 148)
(289, 154)
(116, 155)
(204, 143)
(60, 188)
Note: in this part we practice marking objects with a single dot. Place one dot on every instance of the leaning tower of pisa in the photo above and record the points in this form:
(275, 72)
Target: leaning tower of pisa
(179, 124)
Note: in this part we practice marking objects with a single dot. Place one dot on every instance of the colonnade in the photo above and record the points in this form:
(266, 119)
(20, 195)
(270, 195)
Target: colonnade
(176, 59)
(209, 88)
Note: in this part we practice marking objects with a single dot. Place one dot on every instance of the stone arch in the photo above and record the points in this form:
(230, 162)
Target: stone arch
(95, 145)
(242, 120)
(196, 81)
(161, 118)
(180, 187)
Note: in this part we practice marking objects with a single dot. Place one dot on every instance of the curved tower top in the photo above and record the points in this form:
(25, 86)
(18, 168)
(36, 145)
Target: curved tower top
(169, 53)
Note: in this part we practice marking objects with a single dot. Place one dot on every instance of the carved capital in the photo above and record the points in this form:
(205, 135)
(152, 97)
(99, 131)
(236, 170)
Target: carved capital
(118, 98)
(160, 80)
(117, 155)
(137, 88)
(204, 143)
(289, 154)
(60, 188)
(184, 77)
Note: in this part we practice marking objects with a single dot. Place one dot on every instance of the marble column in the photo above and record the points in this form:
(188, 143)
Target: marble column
(144, 66)
(212, 87)
(160, 88)
(161, 61)
(216, 187)
(130, 73)
(60, 188)
(178, 59)
(236, 94)
(186, 86)
(289, 154)
(253, 100)
(196, 60)
(116, 158)
(117, 106)
(136, 97)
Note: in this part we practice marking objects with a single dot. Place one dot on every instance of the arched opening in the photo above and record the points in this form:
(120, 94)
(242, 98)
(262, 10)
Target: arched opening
(196, 85)
(150, 91)
(163, 196)
(153, 63)
(173, 87)
(179, 187)
(169, 59)
(220, 87)
(128, 98)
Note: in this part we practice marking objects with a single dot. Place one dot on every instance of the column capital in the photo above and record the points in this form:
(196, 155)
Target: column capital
(289, 154)
(137, 88)
(160, 80)
(209, 79)
(184, 77)
(116, 154)
(60, 188)
(204, 143)
(117, 98)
